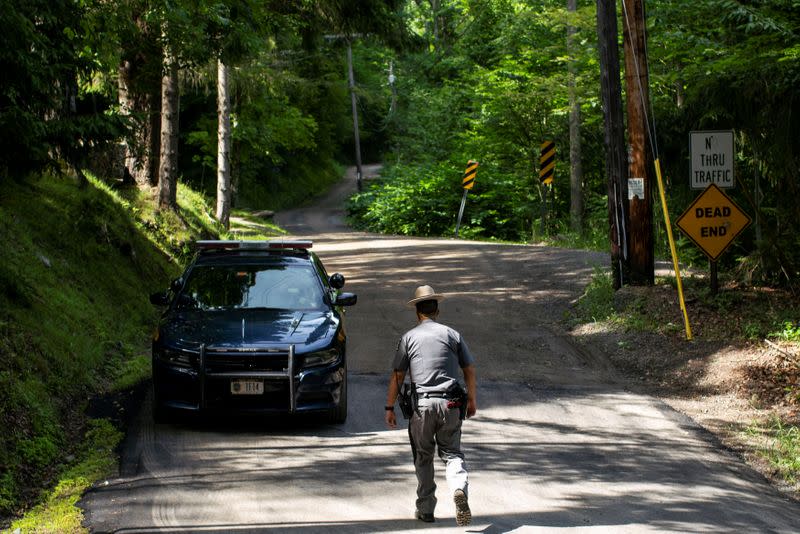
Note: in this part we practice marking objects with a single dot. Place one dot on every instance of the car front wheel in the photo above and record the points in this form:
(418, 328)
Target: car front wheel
(338, 415)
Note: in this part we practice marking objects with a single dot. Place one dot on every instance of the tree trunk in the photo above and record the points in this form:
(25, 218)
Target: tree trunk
(139, 94)
(170, 108)
(141, 147)
(576, 169)
(435, 12)
(611, 93)
(352, 83)
(641, 158)
(223, 146)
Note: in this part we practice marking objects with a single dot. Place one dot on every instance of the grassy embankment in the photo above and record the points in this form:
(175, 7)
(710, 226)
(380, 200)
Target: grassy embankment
(78, 265)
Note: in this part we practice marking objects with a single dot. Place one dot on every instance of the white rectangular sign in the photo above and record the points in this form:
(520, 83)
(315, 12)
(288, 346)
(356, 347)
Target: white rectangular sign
(712, 158)
(635, 188)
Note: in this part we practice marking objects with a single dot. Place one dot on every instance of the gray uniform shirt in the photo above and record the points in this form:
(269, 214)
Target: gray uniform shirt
(434, 353)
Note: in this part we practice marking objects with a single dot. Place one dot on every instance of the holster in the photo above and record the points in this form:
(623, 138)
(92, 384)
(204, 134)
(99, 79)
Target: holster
(406, 400)
(457, 398)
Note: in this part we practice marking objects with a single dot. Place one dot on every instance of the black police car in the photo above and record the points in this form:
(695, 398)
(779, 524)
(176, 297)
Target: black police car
(255, 327)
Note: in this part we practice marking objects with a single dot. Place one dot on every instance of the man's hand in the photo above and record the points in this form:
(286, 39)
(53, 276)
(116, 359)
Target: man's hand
(391, 419)
(472, 389)
(472, 407)
(391, 397)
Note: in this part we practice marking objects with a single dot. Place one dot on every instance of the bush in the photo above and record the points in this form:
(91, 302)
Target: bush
(424, 200)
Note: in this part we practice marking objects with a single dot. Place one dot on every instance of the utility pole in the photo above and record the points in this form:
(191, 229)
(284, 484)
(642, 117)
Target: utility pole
(616, 162)
(352, 83)
(641, 157)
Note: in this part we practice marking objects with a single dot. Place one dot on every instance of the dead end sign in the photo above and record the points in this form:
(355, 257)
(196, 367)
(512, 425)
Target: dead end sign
(713, 221)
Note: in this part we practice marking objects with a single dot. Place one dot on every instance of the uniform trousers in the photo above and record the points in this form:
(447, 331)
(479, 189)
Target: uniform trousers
(435, 425)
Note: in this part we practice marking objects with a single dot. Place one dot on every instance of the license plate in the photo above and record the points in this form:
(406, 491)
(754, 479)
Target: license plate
(247, 387)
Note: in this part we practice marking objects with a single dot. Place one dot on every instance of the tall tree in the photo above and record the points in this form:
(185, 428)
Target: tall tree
(575, 166)
(170, 113)
(223, 145)
(130, 38)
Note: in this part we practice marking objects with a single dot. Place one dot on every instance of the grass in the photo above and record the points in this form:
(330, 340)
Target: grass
(78, 266)
(781, 447)
(787, 331)
(96, 459)
(597, 302)
(245, 224)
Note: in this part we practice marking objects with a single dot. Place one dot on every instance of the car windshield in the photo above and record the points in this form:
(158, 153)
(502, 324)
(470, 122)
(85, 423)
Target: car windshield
(290, 287)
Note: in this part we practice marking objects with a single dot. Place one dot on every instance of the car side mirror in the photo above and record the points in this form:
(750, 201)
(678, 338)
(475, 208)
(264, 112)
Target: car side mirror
(337, 281)
(346, 299)
(159, 299)
(176, 285)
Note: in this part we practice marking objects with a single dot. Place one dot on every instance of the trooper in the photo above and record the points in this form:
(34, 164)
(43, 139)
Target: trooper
(432, 353)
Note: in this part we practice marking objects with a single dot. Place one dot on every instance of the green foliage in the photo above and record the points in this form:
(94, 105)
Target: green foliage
(787, 331)
(42, 116)
(493, 88)
(132, 371)
(408, 201)
(597, 302)
(782, 449)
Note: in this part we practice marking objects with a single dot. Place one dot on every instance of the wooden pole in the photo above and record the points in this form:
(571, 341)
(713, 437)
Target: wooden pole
(714, 277)
(640, 227)
(611, 95)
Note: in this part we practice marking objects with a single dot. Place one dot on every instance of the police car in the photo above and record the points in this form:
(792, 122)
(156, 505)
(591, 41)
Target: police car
(252, 327)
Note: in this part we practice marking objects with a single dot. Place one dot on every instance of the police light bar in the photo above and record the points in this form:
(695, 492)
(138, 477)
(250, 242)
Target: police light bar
(253, 245)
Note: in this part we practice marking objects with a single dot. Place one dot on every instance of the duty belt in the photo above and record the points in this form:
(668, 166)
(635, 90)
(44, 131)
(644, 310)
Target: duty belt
(433, 395)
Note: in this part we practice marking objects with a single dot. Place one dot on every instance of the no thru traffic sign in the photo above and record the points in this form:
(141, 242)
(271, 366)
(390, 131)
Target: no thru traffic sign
(713, 221)
(712, 158)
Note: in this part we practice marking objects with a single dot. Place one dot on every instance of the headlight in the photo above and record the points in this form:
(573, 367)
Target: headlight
(324, 357)
(177, 358)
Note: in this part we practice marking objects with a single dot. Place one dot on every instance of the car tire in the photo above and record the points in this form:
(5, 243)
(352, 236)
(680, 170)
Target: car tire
(160, 413)
(338, 415)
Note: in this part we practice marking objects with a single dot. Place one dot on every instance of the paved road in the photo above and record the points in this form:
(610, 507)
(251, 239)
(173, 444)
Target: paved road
(558, 445)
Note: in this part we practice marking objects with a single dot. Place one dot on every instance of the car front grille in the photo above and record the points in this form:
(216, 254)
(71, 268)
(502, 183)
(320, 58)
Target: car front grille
(232, 361)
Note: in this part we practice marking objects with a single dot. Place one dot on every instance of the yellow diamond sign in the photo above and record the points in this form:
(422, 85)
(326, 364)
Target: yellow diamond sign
(713, 221)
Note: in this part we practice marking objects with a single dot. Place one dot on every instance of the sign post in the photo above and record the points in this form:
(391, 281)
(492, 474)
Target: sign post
(467, 182)
(547, 166)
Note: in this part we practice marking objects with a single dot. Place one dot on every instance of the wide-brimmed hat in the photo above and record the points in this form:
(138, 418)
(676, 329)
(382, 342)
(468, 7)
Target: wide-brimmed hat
(424, 293)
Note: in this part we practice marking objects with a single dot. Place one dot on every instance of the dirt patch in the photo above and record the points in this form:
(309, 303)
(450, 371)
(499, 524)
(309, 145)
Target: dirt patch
(730, 378)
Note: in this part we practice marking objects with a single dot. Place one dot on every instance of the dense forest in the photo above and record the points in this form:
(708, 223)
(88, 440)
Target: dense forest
(249, 103)
(255, 104)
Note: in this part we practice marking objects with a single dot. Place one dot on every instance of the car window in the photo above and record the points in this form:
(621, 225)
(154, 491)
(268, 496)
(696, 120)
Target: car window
(291, 287)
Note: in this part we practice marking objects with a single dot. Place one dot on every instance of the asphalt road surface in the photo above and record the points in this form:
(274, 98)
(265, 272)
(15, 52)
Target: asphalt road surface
(558, 444)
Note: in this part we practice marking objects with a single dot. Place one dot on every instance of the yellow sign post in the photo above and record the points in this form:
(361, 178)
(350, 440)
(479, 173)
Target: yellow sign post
(467, 182)
(713, 221)
(673, 250)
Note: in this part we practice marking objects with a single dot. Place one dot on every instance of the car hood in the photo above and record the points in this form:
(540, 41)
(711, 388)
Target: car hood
(237, 328)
